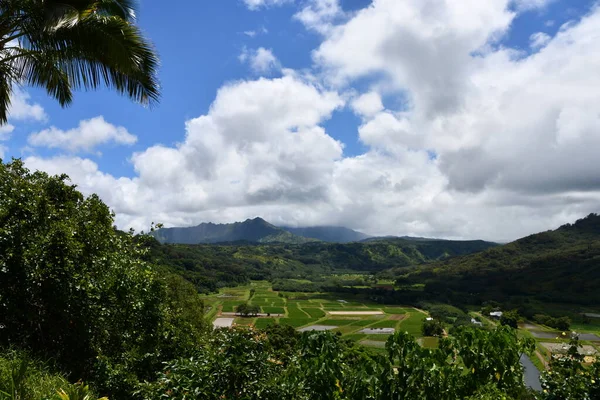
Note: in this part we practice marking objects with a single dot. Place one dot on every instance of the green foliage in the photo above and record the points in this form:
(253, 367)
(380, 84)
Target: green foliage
(558, 266)
(568, 379)
(561, 323)
(246, 310)
(234, 364)
(73, 289)
(510, 318)
(211, 266)
(320, 365)
(22, 378)
(432, 328)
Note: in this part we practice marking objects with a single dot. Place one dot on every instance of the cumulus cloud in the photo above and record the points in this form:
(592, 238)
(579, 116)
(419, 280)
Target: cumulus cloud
(320, 15)
(526, 5)
(489, 143)
(88, 135)
(22, 109)
(257, 4)
(539, 40)
(262, 61)
(367, 104)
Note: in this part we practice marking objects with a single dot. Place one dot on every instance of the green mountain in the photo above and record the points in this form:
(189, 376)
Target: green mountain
(560, 266)
(333, 234)
(209, 266)
(255, 230)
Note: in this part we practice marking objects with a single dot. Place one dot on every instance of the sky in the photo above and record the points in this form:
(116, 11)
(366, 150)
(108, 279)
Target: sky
(453, 119)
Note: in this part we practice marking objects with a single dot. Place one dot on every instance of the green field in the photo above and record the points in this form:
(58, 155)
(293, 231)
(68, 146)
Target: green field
(273, 310)
(305, 309)
(314, 312)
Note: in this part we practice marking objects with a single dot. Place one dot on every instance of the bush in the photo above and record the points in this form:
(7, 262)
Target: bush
(561, 323)
(73, 289)
(510, 318)
(432, 328)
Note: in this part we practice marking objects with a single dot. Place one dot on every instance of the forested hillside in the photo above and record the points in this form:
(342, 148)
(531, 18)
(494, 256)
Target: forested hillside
(555, 266)
(212, 266)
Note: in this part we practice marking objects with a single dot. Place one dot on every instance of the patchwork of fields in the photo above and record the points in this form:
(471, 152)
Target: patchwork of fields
(303, 310)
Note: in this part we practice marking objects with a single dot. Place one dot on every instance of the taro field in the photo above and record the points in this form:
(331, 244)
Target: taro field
(358, 319)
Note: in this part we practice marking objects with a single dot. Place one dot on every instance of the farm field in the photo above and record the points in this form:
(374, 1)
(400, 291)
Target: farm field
(347, 315)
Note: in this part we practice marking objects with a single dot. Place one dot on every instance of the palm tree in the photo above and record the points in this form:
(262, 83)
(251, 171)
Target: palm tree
(61, 45)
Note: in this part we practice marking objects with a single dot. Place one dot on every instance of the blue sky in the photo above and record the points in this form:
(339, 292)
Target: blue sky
(202, 47)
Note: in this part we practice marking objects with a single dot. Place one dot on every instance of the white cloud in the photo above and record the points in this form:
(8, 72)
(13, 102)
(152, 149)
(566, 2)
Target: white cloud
(262, 61)
(253, 33)
(5, 131)
(257, 4)
(539, 40)
(526, 5)
(490, 144)
(368, 104)
(319, 15)
(22, 109)
(88, 135)
(3, 150)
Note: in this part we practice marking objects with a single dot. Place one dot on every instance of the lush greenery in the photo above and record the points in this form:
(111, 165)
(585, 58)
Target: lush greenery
(242, 363)
(74, 289)
(212, 266)
(558, 266)
(61, 45)
(561, 323)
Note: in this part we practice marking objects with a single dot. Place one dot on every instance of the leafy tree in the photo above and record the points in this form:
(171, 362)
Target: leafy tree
(510, 318)
(61, 45)
(432, 328)
(73, 289)
(246, 310)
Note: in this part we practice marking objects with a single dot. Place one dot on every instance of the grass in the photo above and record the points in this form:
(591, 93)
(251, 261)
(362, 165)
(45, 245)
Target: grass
(362, 322)
(244, 321)
(230, 305)
(264, 322)
(412, 323)
(394, 310)
(337, 322)
(384, 324)
(314, 312)
(295, 322)
(273, 310)
(295, 312)
(430, 342)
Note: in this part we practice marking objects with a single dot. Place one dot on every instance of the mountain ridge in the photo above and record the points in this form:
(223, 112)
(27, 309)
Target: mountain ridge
(255, 230)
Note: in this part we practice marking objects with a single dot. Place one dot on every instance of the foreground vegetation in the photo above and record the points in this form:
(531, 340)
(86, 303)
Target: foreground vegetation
(77, 294)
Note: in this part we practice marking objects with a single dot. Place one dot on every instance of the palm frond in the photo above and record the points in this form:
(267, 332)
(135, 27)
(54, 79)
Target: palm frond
(42, 69)
(107, 50)
(6, 83)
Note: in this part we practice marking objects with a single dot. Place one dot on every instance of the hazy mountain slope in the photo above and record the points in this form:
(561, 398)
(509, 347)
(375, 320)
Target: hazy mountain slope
(252, 230)
(334, 234)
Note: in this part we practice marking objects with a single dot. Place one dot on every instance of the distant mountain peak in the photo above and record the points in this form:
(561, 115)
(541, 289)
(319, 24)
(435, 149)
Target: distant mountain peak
(255, 230)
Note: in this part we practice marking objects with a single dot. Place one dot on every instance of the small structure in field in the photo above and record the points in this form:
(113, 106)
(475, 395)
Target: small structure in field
(475, 322)
(496, 314)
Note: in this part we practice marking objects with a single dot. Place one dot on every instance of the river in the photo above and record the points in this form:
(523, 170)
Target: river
(531, 375)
